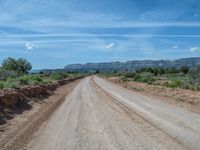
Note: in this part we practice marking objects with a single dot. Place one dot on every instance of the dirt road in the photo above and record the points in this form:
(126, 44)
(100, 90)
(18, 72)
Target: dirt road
(100, 115)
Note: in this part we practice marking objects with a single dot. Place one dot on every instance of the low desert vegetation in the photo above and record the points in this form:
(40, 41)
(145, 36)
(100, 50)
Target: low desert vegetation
(183, 77)
(16, 72)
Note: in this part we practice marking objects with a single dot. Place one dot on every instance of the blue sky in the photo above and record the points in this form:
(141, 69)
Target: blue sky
(53, 33)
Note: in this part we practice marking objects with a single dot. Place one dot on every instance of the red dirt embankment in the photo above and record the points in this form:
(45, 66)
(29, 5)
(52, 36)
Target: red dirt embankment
(17, 99)
(9, 97)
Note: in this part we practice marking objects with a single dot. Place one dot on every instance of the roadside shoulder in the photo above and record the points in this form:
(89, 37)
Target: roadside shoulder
(185, 99)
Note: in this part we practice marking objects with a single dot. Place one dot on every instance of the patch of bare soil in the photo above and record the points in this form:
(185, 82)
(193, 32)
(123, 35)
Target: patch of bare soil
(180, 95)
(16, 131)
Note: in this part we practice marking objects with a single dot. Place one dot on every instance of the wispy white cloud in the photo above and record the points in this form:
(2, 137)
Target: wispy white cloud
(175, 46)
(100, 35)
(110, 45)
(53, 25)
(194, 49)
(30, 46)
(195, 15)
(2, 32)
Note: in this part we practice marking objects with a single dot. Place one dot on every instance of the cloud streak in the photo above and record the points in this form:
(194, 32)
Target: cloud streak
(100, 35)
(111, 45)
(56, 25)
(30, 46)
(194, 49)
(175, 46)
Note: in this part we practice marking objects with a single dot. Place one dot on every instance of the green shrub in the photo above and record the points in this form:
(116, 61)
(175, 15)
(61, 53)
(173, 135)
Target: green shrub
(136, 77)
(35, 82)
(198, 88)
(56, 76)
(37, 78)
(12, 85)
(173, 84)
(186, 86)
(124, 79)
(178, 83)
(129, 74)
(48, 81)
(144, 77)
(30, 79)
(2, 85)
(184, 69)
(9, 84)
(137, 88)
(24, 81)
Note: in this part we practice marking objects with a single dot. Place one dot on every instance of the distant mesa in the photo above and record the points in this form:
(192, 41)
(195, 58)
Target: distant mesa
(133, 65)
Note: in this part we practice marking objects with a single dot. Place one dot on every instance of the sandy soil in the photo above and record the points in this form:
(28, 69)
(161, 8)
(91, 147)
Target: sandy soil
(100, 115)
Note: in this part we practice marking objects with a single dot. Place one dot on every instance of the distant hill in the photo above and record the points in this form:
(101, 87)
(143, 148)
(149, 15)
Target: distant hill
(133, 65)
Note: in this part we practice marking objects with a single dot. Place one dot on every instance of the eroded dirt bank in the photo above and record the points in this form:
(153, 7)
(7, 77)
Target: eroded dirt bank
(16, 100)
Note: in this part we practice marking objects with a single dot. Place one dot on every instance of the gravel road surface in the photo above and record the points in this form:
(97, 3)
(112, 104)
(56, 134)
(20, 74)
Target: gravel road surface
(99, 115)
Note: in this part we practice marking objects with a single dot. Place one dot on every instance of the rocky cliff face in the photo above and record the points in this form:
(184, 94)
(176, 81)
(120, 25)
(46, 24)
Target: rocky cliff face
(133, 65)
